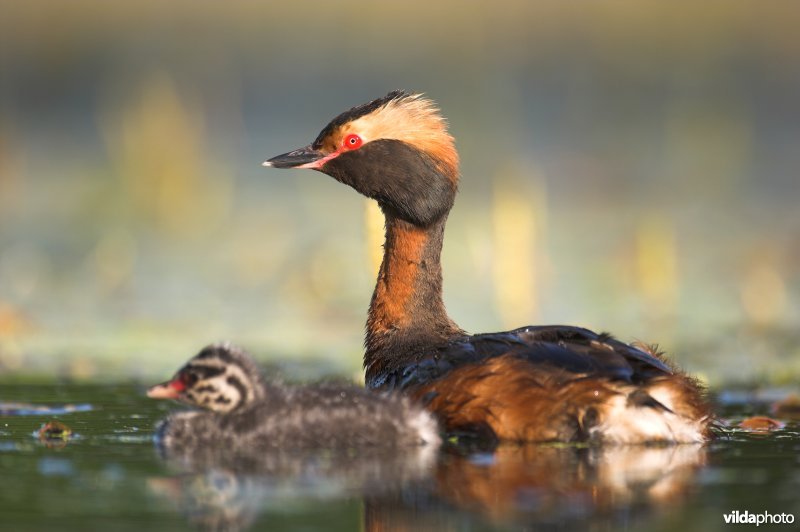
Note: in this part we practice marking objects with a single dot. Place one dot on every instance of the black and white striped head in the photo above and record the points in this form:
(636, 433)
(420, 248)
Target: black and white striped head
(220, 378)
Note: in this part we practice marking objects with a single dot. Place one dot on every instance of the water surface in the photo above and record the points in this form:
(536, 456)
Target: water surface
(108, 473)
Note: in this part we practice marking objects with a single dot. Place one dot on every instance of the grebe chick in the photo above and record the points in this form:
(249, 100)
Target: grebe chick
(536, 383)
(240, 410)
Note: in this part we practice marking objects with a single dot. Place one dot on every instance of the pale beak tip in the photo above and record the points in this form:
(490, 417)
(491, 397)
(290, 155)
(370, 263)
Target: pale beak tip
(267, 164)
(161, 391)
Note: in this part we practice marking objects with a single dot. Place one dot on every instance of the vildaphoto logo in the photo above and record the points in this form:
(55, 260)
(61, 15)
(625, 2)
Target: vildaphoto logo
(762, 518)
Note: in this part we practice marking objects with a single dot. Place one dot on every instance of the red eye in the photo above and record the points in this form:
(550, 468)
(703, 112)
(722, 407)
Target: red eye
(352, 142)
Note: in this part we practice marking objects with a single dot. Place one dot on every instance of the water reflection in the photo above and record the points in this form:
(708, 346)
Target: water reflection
(417, 489)
(309, 471)
(218, 491)
(544, 484)
(214, 500)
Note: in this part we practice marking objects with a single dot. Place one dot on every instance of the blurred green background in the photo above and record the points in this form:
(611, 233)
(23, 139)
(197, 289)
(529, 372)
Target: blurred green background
(629, 166)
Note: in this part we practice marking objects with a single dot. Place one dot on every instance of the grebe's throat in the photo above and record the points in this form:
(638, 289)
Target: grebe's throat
(407, 311)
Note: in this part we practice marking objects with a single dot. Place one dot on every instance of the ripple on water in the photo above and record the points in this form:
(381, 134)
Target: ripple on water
(25, 409)
(56, 467)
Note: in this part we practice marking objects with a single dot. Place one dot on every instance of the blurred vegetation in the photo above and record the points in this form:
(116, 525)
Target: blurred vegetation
(627, 165)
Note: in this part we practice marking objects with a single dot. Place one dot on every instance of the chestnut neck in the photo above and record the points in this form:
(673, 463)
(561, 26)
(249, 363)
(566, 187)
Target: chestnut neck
(407, 315)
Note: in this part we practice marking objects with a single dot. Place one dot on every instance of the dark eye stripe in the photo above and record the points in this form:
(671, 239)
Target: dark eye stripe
(236, 383)
(205, 372)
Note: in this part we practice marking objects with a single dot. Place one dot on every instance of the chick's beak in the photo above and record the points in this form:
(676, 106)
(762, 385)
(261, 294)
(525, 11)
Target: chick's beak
(165, 390)
(306, 157)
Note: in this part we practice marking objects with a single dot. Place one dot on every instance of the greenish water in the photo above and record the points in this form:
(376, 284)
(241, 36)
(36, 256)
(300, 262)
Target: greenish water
(109, 475)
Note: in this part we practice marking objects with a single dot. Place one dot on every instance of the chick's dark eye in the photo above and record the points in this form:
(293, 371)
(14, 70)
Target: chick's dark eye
(188, 378)
(352, 142)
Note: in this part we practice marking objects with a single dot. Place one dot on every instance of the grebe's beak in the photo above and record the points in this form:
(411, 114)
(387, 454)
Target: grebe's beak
(306, 157)
(166, 390)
